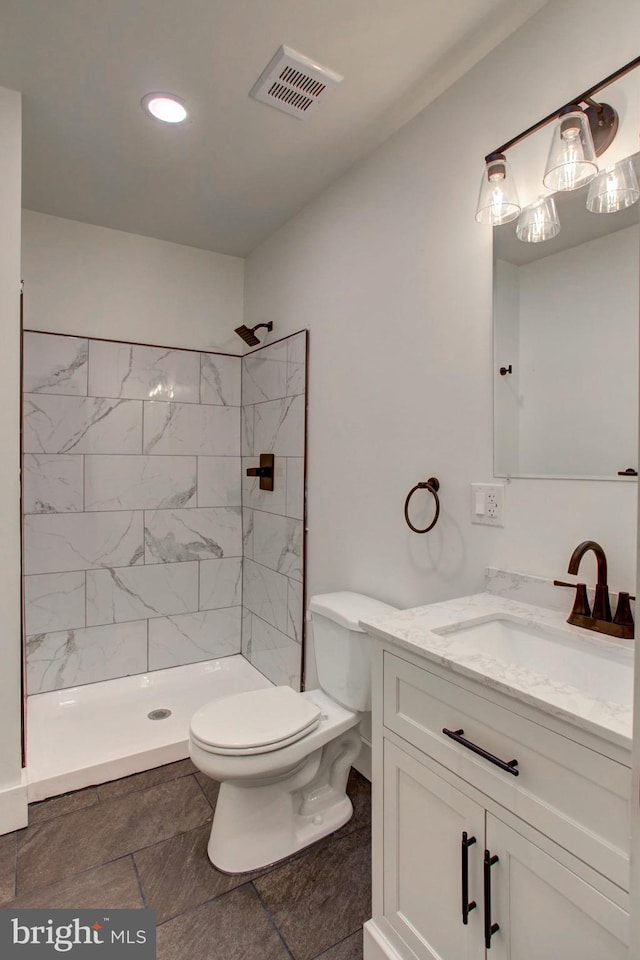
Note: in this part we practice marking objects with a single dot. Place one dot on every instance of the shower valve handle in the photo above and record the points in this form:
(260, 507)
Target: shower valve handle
(259, 472)
(264, 471)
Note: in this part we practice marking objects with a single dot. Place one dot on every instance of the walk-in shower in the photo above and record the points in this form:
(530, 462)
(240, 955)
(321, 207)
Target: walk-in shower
(157, 574)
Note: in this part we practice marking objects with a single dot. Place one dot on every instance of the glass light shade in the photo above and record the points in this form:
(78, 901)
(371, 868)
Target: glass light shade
(572, 156)
(539, 221)
(615, 188)
(498, 200)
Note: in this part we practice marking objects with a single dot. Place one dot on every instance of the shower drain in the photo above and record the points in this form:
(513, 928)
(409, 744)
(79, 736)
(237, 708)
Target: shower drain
(160, 714)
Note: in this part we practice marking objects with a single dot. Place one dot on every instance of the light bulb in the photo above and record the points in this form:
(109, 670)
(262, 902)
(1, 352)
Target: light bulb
(615, 188)
(572, 156)
(539, 221)
(164, 107)
(498, 200)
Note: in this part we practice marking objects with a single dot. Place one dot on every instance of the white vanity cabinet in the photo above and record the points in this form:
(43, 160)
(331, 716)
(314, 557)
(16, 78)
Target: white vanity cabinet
(556, 835)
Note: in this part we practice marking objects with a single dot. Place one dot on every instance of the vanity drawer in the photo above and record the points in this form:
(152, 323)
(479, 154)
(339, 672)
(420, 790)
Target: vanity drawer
(574, 795)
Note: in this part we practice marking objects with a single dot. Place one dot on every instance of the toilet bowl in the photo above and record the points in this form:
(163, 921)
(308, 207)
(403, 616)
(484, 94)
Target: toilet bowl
(282, 758)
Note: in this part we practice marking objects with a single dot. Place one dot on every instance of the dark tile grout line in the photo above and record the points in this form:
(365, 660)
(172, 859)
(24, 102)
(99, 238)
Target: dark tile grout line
(319, 956)
(139, 880)
(272, 921)
(195, 777)
(205, 903)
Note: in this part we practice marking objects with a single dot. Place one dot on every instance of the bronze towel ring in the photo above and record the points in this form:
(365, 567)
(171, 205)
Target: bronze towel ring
(432, 485)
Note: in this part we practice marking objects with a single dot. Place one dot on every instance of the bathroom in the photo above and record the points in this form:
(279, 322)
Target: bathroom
(400, 349)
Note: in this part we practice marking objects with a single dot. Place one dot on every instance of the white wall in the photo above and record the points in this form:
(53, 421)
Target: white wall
(96, 282)
(13, 799)
(392, 276)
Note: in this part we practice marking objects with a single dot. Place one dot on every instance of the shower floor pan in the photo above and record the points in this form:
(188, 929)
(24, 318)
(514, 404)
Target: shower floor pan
(102, 731)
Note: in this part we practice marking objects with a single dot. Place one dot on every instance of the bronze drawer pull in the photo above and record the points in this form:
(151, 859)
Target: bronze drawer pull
(509, 766)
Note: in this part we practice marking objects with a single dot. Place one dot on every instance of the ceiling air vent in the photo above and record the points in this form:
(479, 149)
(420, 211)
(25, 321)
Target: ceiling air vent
(293, 83)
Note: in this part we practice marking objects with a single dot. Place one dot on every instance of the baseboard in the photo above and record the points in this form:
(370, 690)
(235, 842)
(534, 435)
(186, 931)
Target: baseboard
(14, 810)
(375, 945)
(363, 763)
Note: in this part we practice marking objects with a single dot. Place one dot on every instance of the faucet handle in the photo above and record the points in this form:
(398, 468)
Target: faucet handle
(623, 614)
(581, 603)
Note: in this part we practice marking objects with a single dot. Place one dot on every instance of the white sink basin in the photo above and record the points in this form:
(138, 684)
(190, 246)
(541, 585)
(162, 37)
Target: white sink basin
(599, 668)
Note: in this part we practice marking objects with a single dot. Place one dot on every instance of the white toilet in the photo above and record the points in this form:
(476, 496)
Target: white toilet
(283, 758)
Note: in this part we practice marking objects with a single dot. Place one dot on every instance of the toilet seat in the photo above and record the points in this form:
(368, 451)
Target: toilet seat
(258, 721)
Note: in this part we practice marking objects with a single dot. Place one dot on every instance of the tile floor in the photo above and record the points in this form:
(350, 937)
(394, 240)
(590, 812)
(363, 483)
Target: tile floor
(141, 841)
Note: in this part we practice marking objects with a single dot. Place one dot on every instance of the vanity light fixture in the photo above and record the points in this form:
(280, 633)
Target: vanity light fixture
(498, 200)
(539, 221)
(165, 107)
(615, 188)
(585, 129)
(572, 155)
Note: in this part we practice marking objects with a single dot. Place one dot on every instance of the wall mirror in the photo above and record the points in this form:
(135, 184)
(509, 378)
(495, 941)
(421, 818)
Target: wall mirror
(566, 316)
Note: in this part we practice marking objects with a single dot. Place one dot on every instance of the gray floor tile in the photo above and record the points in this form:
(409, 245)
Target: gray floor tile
(177, 875)
(114, 886)
(7, 866)
(75, 853)
(235, 927)
(321, 897)
(57, 806)
(210, 788)
(349, 949)
(51, 851)
(148, 778)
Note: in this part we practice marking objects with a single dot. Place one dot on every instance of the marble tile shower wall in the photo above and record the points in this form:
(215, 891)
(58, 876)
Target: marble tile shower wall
(273, 421)
(132, 509)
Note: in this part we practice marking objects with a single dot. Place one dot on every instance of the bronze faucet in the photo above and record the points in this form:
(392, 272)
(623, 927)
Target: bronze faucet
(600, 618)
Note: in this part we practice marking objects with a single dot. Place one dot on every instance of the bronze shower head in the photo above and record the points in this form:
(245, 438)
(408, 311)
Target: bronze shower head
(248, 334)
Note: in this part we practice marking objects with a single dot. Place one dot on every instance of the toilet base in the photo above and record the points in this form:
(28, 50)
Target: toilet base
(255, 825)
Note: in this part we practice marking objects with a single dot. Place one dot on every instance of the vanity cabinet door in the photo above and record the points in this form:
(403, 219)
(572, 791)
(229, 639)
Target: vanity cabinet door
(543, 909)
(424, 821)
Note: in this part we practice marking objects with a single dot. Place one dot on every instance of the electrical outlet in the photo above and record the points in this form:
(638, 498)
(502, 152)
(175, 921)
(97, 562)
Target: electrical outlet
(487, 504)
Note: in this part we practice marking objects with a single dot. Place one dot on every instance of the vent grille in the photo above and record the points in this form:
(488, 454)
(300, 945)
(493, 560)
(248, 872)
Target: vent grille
(302, 81)
(291, 97)
(293, 83)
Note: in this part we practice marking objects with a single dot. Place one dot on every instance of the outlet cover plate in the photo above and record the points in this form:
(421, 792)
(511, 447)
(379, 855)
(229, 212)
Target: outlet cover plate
(487, 504)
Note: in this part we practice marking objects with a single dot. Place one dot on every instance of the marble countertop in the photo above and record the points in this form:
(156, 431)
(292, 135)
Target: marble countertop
(415, 630)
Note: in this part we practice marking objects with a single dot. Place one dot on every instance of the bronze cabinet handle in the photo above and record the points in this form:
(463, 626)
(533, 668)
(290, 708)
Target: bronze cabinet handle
(467, 906)
(489, 927)
(509, 766)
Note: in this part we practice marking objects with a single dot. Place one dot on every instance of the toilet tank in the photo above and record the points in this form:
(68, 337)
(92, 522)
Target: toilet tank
(342, 648)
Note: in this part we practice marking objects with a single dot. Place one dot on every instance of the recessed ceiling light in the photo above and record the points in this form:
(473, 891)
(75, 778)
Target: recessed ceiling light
(165, 107)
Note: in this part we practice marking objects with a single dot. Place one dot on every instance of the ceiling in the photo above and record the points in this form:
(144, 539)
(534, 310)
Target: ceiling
(239, 169)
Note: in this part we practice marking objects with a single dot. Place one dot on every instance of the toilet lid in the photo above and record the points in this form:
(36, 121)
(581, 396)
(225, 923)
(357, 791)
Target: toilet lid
(271, 717)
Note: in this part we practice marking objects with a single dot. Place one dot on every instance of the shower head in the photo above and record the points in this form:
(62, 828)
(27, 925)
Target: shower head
(248, 334)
